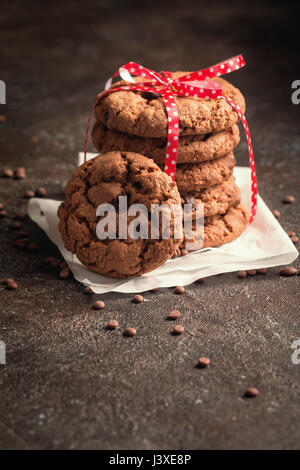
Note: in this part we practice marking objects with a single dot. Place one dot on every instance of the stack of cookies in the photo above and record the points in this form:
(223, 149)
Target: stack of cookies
(208, 133)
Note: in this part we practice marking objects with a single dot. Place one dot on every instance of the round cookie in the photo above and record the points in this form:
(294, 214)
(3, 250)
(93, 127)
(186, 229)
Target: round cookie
(221, 229)
(197, 176)
(216, 199)
(102, 180)
(191, 149)
(144, 114)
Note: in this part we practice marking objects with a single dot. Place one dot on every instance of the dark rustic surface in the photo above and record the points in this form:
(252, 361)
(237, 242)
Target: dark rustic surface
(68, 383)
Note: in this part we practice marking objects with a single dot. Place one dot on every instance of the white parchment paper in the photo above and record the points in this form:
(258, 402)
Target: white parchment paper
(263, 244)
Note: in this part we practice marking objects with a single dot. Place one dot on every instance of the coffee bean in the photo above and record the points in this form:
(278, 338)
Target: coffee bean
(41, 192)
(201, 280)
(1, 206)
(184, 252)
(276, 214)
(291, 233)
(251, 392)
(138, 299)
(112, 325)
(54, 263)
(179, 290)
(156, 289)
(64, 273)
(242, 274)
(173, 315)
(2, 118)
(20, 173)
(20, 215)
(3, 214)
(251, 272)
(7, 280)
(15, 225)
(88, 291)
(8, 173)
(288, 271)
(289, 199)
(130, 331)
(203, 362)
(98, 305)
(178, 330)
(262, 271)
(21, 243)
(32, 247)
(295, 239)
(29, 194)
(12, 285)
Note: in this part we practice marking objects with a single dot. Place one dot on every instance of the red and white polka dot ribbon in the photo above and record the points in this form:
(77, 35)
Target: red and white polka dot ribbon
(195, 85)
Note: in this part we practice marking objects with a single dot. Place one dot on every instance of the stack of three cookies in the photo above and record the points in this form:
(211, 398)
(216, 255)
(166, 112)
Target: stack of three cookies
(208, 133)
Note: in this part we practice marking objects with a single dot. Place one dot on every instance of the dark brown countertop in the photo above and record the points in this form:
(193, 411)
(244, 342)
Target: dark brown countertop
(68, 383)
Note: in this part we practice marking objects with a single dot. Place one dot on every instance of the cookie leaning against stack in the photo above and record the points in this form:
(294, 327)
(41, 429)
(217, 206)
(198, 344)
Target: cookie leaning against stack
(208, 133)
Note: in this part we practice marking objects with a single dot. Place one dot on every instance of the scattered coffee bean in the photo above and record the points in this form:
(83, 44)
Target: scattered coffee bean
(8, 173)
(203, 362)
(88, 291)
(130, 331)
(21, 243)
(7, 280)
(12, 285)
(251, 392)
(173, 315)
(262, 271)
(98, 305)
(251, 272)
(1, 206)
(289, 199)
(112, 325)
(201, 280)
(20, 173)
(184, 252)
(29, 194)
(64, 273)
(276, 214)
(242, 274)
(138, 299)
(3, 214)
(288, 271)
(178, 330)
(295, 239)
(290, 233)
(2, 118)
(179, 290)
(41, 192)
(156, 289)
(32, 247)
(20, 215)
(15, 225)
(54, 263)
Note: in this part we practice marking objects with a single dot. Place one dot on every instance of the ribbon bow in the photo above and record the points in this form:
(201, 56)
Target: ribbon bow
(195, 85)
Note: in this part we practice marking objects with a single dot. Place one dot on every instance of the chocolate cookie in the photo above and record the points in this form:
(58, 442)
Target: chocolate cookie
(102, 180)
(221, 229)
(216, 199)
(144, 114)
(197, 176)
(191, 149)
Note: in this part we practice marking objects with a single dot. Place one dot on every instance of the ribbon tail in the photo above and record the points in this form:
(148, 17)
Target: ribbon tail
(240, 113)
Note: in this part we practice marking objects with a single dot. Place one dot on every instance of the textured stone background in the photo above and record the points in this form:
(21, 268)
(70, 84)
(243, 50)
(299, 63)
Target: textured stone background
(68, 383)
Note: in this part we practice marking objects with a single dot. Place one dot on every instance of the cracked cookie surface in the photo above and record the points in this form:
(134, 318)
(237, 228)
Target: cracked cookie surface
(102, 180)
(216, 199)
(144, 114)
(191, 149)
(197, 176)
